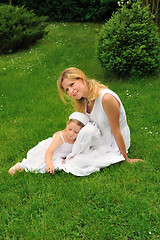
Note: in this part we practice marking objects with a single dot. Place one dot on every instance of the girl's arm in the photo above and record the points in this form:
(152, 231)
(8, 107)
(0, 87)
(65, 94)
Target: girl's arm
(57, 141)
(111, 108)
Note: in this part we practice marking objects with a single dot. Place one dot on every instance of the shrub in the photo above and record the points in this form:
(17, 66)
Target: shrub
(19, 28)
(71, 10)
(129, 43)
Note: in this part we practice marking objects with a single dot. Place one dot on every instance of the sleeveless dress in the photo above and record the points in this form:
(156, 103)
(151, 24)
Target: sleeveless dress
(35, 161)
(99, 116)
(107, 152)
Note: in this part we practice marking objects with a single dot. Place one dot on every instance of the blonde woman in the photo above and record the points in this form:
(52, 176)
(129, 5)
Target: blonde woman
(103, 107)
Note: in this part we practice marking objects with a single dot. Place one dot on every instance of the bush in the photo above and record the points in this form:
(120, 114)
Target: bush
(129, 43)
(19, 28)
(71, 10)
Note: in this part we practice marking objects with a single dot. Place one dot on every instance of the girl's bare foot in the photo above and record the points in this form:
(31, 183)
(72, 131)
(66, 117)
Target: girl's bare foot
(14, 169)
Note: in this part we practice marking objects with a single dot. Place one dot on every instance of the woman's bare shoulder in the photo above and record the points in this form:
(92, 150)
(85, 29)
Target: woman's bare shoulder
(109, 98)
(109, 101)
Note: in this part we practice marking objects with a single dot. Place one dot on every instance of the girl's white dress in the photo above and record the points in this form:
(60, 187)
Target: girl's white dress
(86, 158)
(35, 161)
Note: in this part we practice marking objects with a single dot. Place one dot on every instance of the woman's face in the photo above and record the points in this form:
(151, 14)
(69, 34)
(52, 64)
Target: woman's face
(75, 88)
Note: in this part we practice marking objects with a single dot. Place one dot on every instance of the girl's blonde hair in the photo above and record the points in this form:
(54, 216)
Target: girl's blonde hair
(74, 74)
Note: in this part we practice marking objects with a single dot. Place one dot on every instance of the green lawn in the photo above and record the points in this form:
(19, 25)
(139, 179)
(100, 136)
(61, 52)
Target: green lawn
(120, 202)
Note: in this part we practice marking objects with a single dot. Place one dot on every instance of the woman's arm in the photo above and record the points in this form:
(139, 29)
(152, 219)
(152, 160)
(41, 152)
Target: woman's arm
(111, 108)
(57, 141)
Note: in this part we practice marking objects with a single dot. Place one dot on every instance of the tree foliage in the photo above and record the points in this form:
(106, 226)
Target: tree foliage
(70, 10)
(153, 5)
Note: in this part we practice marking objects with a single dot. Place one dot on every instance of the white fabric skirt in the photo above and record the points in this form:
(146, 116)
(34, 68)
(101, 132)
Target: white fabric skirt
(89, 155)
(35, 161)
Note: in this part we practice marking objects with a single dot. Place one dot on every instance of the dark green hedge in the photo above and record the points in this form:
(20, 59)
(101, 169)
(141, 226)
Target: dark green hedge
(70, 10)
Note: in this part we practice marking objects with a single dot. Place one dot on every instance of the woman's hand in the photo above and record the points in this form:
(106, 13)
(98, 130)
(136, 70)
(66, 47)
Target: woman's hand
(50, 168)
(134, 160)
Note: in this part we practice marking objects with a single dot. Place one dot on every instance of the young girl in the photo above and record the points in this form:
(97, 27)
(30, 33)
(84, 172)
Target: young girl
(103, 107)
(49, 155)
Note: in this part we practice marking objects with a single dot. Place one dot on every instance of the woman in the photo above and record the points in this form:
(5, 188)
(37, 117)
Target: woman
(102, 106)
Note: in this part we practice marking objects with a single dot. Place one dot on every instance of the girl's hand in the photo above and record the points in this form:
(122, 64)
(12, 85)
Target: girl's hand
(50, 168)
(134, 160)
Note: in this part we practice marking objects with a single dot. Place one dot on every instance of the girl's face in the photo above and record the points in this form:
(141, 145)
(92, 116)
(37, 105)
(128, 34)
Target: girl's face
(72, 130)
(75, 88)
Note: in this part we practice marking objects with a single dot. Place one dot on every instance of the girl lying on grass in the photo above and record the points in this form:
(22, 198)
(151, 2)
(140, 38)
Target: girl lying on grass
(50, 154)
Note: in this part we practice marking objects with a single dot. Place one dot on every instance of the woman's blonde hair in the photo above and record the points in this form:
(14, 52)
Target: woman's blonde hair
(74, 74)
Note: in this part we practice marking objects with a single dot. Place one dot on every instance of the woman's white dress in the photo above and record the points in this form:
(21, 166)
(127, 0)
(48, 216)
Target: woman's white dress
(98, 116)
(82, 163)
(35, 161)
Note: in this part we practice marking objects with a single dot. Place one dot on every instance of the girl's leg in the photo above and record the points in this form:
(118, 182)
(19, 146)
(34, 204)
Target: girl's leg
(14, 169)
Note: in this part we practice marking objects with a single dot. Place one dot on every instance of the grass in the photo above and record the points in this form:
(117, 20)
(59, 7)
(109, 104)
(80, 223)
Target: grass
(119, 202)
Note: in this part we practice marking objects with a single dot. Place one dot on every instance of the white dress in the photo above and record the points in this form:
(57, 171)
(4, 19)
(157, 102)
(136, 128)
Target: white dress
(35, 161)
(107, 152)
(99, 116)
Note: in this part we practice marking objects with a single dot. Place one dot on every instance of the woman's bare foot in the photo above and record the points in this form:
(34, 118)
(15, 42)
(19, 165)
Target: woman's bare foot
(14, 169)
(134, 160)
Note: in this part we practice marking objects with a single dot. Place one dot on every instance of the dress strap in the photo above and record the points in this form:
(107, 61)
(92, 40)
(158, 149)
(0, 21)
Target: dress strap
(62, 137)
